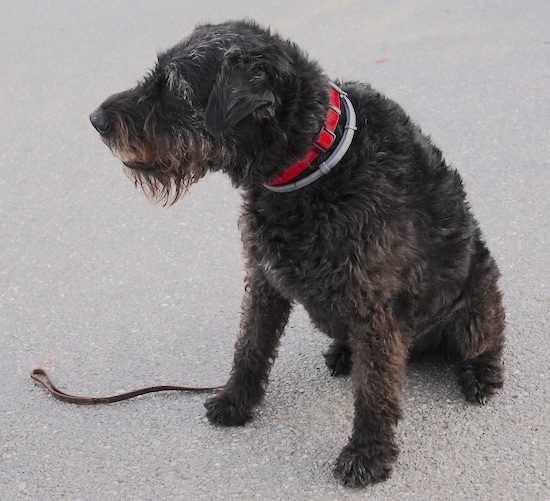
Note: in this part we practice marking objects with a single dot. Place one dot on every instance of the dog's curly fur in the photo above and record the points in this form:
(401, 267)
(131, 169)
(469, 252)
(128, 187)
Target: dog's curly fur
(383, 253)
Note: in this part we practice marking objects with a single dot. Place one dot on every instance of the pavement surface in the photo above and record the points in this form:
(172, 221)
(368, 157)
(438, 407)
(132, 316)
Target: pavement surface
(111, 293)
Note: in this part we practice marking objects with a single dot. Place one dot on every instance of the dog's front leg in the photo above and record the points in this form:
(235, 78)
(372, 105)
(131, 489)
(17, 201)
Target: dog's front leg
(264, 316)
(378, 364)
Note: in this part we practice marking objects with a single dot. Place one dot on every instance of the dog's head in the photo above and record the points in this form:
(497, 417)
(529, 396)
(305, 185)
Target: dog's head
(231, 96)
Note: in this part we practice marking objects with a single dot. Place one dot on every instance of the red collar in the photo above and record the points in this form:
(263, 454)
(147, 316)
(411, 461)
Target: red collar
(324, 141)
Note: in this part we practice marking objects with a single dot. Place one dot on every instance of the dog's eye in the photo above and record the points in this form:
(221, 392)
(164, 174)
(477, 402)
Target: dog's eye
(259, 75)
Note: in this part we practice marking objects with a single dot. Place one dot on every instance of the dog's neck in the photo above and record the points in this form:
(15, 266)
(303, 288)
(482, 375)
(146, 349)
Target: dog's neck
(325, 142)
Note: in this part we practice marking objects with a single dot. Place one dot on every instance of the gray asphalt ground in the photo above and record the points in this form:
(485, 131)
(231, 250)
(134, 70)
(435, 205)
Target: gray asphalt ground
(111, 293)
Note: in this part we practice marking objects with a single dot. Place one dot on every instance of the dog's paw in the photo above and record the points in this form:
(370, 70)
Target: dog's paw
(222, 410)
(338, 359)
(354, 468)
(480, 381)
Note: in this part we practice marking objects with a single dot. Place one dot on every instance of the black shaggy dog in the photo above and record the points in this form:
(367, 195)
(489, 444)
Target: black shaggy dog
(382, 251)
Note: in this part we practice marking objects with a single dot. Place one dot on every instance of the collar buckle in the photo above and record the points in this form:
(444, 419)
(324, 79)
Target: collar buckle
(325, 139)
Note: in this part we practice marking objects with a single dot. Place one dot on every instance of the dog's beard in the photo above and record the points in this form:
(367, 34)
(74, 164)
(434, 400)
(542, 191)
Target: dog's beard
(165, 166)
(162, 167)
(164, 180)
(159, 184)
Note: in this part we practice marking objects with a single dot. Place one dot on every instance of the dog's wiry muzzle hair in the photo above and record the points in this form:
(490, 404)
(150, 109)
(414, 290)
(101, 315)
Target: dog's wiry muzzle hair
(161, 165)
(163, 162)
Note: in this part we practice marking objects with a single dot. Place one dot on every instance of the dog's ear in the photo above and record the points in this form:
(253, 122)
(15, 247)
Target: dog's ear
(241, 87)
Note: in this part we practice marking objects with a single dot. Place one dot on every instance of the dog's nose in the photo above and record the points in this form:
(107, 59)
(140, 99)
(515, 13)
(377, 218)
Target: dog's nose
(99, 121)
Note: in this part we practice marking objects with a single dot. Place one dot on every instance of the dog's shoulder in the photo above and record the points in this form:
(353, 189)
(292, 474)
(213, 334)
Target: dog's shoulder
(381, 113)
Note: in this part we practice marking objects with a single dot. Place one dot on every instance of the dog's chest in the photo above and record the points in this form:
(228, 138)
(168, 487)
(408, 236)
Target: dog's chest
(294, 275)
(301, 261)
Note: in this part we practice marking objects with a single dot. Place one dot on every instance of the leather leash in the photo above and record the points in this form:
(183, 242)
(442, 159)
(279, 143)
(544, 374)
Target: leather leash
(41, 376)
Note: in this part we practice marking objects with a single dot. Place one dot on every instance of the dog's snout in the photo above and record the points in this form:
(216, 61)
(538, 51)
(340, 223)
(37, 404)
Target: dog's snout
(99, 121)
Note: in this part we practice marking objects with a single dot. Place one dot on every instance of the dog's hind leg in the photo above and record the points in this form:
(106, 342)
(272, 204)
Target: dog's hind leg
(377, 375)
(264, 316)
(338, 355)
(478, 330)
(338, 358)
